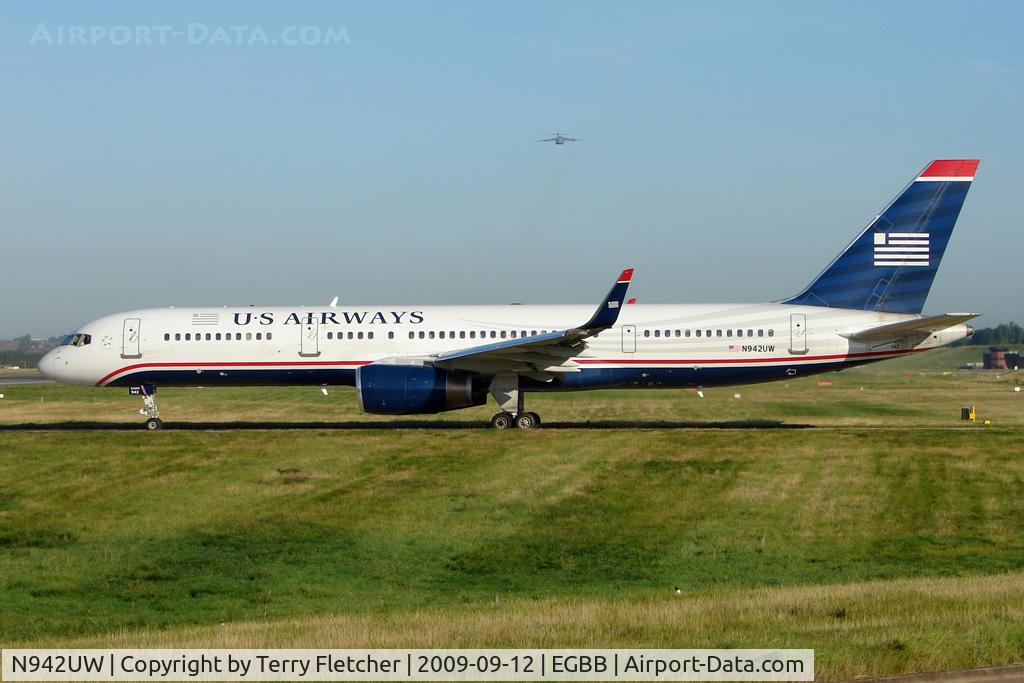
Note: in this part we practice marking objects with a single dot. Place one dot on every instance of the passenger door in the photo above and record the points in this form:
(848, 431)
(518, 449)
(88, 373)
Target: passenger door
(131, 337)
(629, 338)
(797, 333)
(309, 344)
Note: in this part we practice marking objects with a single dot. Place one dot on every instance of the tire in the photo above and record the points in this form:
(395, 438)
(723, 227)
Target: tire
(536, 419)
(153, 424)
(502, 421)
(526, 421)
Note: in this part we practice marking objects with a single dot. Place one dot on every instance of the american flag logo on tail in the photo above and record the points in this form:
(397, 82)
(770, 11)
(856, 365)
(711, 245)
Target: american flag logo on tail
(901, 249)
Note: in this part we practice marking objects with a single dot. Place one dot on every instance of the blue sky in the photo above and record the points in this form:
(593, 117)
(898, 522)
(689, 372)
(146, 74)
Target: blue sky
(730, 151)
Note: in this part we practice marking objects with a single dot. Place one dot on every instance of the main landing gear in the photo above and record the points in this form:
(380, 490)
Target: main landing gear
(519, 421)
(149, 409)
(505, 390)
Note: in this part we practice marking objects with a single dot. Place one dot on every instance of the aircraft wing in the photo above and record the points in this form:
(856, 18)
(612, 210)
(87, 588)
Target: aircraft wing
(541, 356)
(547, 140)
(917, 325)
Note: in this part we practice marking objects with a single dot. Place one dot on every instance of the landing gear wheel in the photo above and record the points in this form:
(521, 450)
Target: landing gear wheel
(153, 424)
(536, 419)
(526, 421)
(502, 421)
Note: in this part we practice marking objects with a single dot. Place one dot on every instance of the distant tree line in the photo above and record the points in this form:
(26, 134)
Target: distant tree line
(1005, 334)
(24, 351)
(24, 359)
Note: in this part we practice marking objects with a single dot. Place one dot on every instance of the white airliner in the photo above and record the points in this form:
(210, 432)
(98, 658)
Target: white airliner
(864, 307)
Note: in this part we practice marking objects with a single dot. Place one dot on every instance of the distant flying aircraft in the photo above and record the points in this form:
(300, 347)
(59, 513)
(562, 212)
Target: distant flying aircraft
(864, 307)
(559, 139)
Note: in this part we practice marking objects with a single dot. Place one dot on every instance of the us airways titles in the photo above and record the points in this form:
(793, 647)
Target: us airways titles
(333, 318)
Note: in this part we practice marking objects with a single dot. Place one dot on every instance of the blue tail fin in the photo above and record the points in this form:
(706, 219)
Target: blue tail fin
(890, 266)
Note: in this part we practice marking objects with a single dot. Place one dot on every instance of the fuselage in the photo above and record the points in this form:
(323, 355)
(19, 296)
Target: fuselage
(660, 345)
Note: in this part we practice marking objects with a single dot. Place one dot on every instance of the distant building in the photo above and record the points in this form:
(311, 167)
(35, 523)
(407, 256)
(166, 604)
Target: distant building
(1001, 358)
(995, 358)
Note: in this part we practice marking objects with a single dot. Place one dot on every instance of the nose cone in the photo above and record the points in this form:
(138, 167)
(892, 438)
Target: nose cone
(47, 365)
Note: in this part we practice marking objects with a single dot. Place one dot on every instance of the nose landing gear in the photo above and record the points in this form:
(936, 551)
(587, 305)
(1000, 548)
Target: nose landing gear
(149, 409)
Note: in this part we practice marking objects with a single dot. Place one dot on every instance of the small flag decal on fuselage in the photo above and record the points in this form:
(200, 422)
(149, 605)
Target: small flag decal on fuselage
(901, 249)
(206, 318)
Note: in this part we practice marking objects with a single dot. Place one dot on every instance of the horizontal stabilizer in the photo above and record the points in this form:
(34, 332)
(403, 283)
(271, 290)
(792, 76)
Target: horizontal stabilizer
(927, 325)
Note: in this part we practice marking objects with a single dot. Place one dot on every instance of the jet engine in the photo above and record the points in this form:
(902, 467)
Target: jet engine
(411, 389)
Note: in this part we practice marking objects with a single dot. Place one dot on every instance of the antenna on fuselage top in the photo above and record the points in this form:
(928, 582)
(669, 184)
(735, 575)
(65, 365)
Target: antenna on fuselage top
(334, 303)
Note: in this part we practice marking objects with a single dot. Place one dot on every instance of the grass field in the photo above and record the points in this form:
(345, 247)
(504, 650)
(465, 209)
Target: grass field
(862, 519)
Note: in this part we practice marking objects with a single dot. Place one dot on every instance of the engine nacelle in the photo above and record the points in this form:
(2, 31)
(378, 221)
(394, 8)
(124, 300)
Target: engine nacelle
(412, 389)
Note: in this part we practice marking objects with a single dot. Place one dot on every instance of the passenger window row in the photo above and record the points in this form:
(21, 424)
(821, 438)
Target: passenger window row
(461, 334)
(472, 334)
(739, 332)
(217, 336)
(357, 335)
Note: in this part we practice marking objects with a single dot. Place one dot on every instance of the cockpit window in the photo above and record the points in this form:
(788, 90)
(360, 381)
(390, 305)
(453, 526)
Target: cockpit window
(76, 340)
